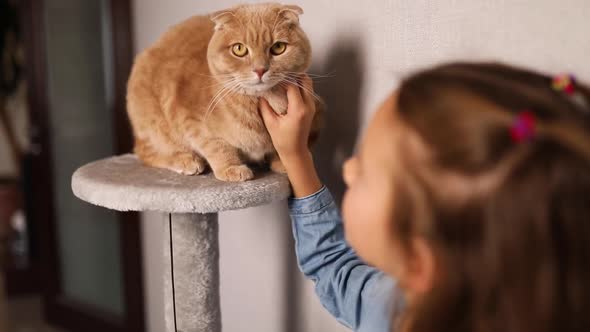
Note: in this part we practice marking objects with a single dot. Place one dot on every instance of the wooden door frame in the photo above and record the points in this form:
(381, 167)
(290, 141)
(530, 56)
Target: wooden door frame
(57, 309)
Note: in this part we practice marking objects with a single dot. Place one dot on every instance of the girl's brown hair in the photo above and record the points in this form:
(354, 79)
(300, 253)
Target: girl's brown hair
(516, 258)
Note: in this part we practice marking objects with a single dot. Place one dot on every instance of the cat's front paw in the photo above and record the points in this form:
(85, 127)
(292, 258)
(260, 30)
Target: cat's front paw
(188, 164)
(235, 173)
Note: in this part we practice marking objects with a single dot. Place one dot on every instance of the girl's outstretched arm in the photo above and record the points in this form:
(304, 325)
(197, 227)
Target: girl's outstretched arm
(356, 294)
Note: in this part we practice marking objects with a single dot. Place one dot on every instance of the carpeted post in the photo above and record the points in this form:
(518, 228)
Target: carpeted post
(191, 280)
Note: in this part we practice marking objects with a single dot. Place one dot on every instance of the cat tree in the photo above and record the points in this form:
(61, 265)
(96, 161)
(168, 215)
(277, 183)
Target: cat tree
(189, 207)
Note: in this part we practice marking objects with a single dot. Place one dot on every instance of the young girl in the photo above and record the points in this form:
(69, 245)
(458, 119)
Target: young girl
(467, 205)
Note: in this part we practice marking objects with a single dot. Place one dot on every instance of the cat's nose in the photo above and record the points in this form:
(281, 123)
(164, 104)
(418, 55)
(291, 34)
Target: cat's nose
(260, 72)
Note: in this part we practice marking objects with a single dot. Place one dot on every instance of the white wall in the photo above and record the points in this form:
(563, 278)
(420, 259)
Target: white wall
(366, 45)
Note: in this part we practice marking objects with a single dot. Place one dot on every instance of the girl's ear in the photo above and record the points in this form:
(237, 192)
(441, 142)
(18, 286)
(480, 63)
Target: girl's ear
(420, 268)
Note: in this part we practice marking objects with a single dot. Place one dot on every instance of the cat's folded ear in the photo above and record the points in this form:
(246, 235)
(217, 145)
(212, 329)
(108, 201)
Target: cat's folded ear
(221, 17)
(290, 13)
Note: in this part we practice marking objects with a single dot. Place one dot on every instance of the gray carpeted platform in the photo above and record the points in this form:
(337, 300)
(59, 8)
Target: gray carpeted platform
(123, 183)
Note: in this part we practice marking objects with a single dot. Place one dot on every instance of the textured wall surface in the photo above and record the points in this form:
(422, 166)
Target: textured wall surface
(366, 46)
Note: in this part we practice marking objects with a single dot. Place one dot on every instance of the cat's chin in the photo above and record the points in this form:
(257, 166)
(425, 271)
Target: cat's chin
(257, 90)
(277, 98)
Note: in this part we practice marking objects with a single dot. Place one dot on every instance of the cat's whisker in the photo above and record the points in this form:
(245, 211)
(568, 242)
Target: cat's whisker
(296, 83)
(215, 75)
(216, 96)
(213, 102)
(314, 79)
(313, 94)
(216, 84)
(217, 80)
(226, 92)
(311, 75)
(228, 88)
(308, 73)
(297, 78)
(294, 75)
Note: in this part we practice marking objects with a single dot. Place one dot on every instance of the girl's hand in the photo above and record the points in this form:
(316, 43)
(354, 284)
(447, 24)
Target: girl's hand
(290, 132)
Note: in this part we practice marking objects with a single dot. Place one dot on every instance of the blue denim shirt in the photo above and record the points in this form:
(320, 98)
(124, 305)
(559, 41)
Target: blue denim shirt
(359, 296)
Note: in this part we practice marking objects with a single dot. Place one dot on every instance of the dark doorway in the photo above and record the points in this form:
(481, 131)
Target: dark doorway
(85, 261)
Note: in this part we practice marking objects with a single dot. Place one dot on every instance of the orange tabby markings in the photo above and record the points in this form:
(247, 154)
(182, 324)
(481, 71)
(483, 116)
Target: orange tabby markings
(192, 102)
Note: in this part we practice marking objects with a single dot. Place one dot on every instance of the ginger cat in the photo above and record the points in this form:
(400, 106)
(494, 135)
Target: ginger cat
(192, 97)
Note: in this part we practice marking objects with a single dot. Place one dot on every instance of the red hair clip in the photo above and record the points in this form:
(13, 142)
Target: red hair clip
(523, 128)
(566, 83)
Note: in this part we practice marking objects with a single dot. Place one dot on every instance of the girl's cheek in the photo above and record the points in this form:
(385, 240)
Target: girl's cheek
(350, 207)
(360, 228)
(347, 200)
(349, 219)
(345, 206)
(353, 207)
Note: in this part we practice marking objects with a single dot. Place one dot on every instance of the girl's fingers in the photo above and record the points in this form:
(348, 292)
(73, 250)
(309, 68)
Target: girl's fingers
(266, 112)
(307, 89)
(294, 97)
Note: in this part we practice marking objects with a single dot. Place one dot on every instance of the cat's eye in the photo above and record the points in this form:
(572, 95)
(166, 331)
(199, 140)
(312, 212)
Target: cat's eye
(239, 49)
(278, 48)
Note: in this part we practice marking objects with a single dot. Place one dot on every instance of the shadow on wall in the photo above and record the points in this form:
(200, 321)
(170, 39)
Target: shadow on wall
(341, 92)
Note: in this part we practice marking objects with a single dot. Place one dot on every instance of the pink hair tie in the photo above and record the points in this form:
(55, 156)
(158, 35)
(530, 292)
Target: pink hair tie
(523, 127)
